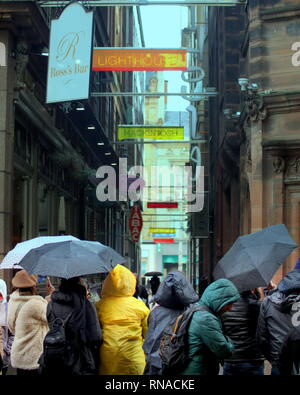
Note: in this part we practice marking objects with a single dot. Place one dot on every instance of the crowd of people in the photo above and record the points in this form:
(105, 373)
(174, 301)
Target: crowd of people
(232, 333)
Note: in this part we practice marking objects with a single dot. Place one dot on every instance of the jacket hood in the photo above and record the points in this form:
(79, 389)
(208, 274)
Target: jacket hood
(62, 298)
(3, 291)
(290, 282)
(283, 301)
(219, 293)
(119, 282)
(65, 294)
(175, 292)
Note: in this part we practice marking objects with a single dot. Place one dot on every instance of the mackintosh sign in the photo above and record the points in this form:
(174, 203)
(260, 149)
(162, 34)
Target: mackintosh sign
(132, 59)
(69, 61)
(150, 132)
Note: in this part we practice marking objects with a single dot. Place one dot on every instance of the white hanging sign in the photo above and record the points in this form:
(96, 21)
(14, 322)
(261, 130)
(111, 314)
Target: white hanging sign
(69, 63)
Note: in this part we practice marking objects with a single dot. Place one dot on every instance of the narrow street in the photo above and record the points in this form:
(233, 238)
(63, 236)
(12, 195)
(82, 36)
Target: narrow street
(141, 139)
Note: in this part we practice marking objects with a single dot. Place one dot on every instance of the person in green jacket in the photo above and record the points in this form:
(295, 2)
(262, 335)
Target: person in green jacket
(207, 345)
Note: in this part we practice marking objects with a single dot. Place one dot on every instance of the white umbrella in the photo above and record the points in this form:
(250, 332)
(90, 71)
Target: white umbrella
(13, 257)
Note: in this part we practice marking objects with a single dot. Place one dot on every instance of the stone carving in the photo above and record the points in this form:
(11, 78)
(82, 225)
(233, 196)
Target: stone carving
(278, 164)
(21, 63)
(293, 168)
(255, 108)
(248, 159)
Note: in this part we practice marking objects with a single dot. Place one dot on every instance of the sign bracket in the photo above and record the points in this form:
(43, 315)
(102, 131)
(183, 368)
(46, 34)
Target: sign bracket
(130, 3)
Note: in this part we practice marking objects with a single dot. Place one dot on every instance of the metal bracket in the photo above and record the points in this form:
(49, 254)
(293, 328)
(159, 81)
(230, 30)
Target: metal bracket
(193, 94)
(130, 3)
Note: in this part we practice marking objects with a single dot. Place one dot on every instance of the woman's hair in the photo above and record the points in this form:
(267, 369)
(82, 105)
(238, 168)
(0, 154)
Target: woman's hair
(70, 284)
(28, 291)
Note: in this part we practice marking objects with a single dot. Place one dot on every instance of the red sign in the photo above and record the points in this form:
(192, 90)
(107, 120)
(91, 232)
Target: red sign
(163, 240)
(162, 205)
(135, 223)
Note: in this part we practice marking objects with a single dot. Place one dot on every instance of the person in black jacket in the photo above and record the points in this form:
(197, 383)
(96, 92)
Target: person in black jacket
(140, 291)
(240, 325)
(289, 354)
(82, 329)
(276, 318)
(154, 283)
(174, 294)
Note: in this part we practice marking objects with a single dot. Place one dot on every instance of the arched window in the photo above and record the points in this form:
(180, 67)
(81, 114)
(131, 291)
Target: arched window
(2, 54)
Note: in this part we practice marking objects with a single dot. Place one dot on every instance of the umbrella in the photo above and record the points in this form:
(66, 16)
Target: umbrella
(71, 258)
(253, 259)
(151, 274)
(13, 257)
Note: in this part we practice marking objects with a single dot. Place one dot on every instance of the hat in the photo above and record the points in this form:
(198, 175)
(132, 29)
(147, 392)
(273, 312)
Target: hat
(23, 280)
(297, 264)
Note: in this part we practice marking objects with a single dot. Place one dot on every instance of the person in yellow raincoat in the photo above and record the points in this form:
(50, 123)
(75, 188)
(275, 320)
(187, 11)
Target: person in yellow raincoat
(123, 320)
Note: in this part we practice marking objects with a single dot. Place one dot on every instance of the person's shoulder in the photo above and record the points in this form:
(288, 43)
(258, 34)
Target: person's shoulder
(140, 305)
(36, 305)
(204, 317)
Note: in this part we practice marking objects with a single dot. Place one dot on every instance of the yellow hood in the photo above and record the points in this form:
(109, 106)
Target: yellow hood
(119, 282)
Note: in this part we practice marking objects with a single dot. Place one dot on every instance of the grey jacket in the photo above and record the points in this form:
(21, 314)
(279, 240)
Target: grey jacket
(275, 318)
(175, 293)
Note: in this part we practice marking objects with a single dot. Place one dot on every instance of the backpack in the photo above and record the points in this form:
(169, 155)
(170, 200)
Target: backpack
(173, 348)
(55, 346)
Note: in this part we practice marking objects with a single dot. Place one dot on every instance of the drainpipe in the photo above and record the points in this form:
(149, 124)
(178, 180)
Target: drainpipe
(140, 25)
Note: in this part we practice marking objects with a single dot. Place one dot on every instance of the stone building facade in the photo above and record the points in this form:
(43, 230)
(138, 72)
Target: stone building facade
(255, 138)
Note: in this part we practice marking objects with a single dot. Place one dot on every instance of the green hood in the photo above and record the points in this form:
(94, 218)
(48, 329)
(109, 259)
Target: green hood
(218, 294)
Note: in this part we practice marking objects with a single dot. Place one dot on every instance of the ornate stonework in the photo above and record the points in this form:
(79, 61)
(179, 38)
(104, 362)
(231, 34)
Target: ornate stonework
(255, 108)
(293, 168)
(21, 63)
(278, 164)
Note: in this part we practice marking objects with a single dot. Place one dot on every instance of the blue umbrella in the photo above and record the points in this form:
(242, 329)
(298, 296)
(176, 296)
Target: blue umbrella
(71, 259)
(253, 259)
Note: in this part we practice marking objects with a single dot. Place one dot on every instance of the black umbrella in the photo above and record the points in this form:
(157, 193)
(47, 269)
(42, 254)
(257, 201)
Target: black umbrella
(151, 274)
(253, 259)
(71, 259)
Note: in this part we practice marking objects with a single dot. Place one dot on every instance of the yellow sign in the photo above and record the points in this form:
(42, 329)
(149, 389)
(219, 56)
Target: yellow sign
(162, 230)
(121, 59)
(153, 133)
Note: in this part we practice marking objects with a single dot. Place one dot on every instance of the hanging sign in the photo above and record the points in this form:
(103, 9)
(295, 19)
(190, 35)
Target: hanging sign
(162, 235)
(127, 59)
(162, 205)
(162, 230)
(163, 240)
(151, 132)
(69, 61)
(135, 223)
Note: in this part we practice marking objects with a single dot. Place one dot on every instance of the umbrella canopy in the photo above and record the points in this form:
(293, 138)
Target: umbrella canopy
(71, 258)
(253, 259)
(151, 274)
(13, 257)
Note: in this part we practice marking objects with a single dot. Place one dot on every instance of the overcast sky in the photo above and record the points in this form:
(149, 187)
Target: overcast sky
(162, 27)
